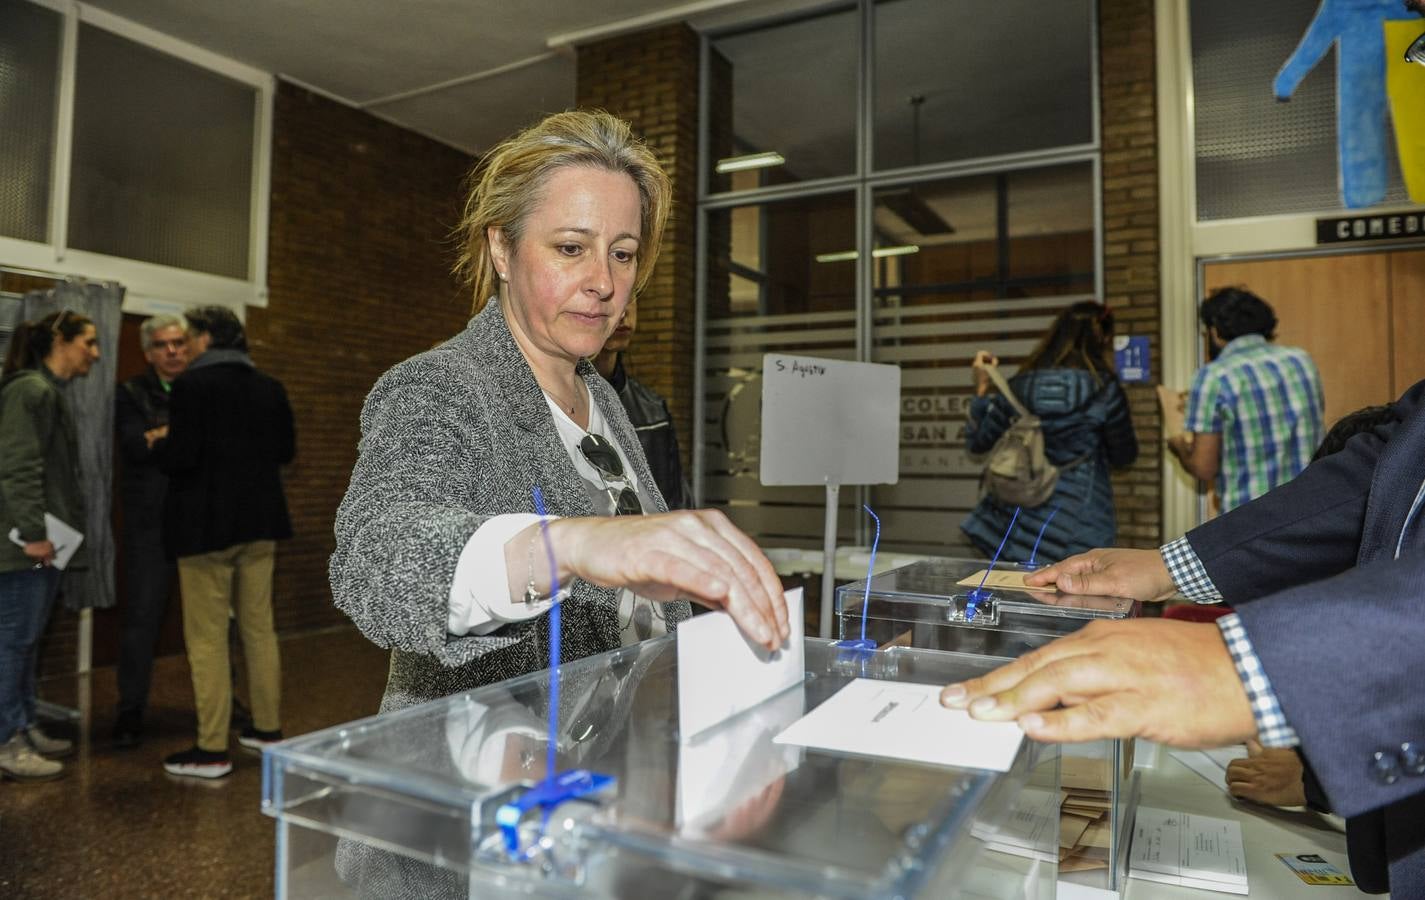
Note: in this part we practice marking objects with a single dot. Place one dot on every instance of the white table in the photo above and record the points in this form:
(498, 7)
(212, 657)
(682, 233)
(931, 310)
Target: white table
(1265, 832)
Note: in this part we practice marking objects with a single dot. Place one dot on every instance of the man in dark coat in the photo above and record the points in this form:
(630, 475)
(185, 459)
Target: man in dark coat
(141, 420)
(230, 432)
(649, 414)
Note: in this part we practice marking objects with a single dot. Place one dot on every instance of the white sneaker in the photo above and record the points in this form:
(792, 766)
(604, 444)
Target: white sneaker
(45, 745)
(19, 761)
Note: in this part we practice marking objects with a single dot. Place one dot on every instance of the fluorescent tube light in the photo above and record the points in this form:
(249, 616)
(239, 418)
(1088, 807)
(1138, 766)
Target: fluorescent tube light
(751, 161)
(878, 253)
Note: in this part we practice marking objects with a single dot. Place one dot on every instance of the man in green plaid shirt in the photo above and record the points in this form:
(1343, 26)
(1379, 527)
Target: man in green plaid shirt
(1254, 413)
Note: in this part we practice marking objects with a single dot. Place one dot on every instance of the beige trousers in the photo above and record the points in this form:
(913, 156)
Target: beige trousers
(238, 579)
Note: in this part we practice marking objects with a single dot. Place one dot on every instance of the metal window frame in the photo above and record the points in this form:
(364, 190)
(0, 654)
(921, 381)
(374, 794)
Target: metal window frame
(863, 183)
(150, 287)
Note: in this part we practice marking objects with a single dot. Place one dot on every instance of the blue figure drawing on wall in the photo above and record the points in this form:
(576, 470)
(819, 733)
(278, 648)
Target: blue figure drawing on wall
(1357, 28)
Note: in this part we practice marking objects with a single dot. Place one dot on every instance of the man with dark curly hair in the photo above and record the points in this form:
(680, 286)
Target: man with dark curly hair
(1254, 412)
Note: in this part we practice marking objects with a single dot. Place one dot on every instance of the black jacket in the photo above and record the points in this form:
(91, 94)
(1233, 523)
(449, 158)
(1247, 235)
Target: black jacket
(654, 425)
(229, 432)
(141, 404)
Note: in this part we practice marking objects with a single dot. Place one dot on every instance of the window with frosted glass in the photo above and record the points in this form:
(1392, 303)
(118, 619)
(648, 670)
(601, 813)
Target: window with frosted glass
(777, 282)
(784, 101)
(963, 264)
(163, 158)
(959, 79)
(29, 77)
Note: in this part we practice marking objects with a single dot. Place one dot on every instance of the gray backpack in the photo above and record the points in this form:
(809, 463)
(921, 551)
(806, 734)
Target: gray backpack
(1017, 473)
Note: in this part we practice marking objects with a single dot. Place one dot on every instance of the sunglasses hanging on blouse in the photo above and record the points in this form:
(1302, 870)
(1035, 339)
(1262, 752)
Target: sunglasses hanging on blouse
(602, 455)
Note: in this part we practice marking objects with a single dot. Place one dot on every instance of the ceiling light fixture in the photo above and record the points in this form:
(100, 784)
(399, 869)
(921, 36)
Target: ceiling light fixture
(878, 253)
(750, 161)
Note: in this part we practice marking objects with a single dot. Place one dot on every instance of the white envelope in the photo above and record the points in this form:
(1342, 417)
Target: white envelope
(731, 764)
(721, 673)
(901, 720)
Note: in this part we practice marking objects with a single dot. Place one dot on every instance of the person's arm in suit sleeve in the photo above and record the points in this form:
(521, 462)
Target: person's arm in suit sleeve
(131, 423)
(1303, 531)
(181, 450)
(1344, 657)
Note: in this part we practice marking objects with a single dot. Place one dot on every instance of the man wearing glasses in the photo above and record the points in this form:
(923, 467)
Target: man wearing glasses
(141, 420)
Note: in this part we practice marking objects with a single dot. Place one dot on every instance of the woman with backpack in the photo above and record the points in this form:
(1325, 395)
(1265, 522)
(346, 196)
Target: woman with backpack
(1069, 385)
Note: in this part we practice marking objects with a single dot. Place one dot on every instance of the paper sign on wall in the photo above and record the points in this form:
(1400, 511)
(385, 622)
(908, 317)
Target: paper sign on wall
(1130, 354)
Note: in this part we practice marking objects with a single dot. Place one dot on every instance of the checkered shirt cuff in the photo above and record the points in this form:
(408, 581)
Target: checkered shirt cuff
(1188, 573)
(1272, 727)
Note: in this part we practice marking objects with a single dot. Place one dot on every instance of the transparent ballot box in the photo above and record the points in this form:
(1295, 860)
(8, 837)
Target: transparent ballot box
(415, 803)
(925, 605)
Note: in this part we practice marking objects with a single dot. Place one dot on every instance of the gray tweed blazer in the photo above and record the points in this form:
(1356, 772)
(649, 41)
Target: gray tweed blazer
(450, 438)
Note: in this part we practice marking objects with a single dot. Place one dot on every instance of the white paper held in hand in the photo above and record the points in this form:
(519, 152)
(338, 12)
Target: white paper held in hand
(61, 534)
(899, 720)
(721, 673)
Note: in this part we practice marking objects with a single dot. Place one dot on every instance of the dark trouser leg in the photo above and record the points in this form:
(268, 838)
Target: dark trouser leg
(148, 577)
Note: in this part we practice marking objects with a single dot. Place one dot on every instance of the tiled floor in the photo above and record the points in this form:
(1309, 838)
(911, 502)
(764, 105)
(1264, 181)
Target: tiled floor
(118, 826)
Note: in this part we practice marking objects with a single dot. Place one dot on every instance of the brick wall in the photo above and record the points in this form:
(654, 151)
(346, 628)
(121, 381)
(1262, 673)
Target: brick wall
(1128, 117)
(359, 276)
(650, 79)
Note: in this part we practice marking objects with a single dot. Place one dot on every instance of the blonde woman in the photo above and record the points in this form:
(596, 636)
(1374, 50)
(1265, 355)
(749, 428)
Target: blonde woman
(439, 555)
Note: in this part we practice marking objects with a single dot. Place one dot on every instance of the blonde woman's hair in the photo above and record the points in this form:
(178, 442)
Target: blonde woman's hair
(508, 182)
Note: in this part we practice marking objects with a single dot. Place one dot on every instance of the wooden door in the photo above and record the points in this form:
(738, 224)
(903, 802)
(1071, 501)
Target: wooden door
(1407, 303)
(1338, 308)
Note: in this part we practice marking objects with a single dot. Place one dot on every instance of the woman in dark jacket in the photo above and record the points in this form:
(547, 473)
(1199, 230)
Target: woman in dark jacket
(39, 474)
(1069, 383)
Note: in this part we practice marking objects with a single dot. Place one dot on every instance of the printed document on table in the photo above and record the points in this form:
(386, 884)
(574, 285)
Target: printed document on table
(1194, 851)
(897, 720)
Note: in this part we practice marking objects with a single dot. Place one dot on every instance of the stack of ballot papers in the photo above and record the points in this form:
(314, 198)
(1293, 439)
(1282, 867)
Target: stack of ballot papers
(1085, 815)
(1192, 851)
(1080, 811)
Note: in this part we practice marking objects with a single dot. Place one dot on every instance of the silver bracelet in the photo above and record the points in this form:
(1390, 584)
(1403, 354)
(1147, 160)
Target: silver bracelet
(531, 594)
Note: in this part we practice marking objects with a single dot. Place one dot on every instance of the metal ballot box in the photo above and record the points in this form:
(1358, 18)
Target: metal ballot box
(926, 605)
(412, 804)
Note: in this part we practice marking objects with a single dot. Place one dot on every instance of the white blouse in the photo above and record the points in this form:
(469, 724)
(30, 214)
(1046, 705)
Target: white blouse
(479, 593)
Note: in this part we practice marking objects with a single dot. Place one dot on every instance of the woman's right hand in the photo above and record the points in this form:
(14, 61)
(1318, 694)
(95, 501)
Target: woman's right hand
(42, 552)
(698, 554)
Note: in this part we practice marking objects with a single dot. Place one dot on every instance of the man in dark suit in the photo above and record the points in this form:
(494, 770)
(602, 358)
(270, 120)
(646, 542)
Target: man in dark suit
(1324, 652)
(141, 420)
(230, 432)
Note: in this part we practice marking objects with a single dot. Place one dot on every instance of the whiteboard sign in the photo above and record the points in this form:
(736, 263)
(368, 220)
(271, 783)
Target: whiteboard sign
(828, 421)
